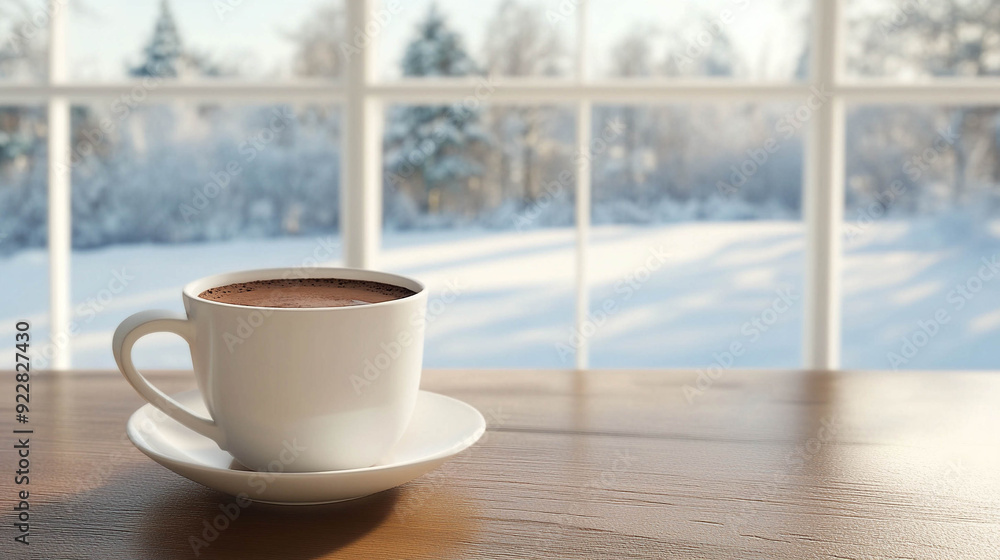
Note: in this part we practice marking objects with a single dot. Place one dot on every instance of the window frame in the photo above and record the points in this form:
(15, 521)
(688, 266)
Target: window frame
(363, 96)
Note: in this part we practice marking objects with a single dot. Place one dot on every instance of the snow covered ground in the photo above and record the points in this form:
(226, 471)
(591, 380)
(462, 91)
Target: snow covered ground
(676, 295)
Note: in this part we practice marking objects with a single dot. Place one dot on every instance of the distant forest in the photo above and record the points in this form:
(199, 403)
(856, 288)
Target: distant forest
(181, 171)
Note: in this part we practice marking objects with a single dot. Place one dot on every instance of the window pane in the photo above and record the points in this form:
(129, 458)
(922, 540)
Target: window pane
(479, 204)
(761, 40)
(24, 260)
(426, 38)
(189, 39)
(697, 236)
(922, 238)
(180, 191)
(24, 40)
(916, 39)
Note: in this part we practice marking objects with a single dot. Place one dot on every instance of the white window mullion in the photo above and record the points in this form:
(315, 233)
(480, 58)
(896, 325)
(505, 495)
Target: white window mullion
(583, 132)
(59, 226)
(361, 151)
(361, 162)
(955, 91)
(824, 195)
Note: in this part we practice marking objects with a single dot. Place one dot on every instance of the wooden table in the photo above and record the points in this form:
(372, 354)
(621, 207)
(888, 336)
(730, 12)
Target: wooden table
(769, 465)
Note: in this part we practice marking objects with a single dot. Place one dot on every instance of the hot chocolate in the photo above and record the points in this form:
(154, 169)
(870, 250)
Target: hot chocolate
(305, 292)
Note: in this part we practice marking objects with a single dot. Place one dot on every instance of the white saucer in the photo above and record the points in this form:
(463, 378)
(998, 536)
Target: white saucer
(441, 427)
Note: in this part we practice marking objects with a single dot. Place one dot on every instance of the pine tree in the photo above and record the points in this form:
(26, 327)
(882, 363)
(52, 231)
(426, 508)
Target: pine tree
(430, 149)
(164, 55)
(437, 50)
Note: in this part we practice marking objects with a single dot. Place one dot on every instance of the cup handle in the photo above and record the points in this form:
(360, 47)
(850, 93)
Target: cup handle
(138, 326)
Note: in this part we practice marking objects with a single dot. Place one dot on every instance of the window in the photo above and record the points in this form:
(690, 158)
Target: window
(478, 217)
(601, 183)
(696, 233)
(177, 190)
(922, 179)
(242, 41)
(23, 203)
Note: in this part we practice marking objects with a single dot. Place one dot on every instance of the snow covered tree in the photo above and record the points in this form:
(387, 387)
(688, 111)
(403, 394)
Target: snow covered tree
(320, 50)
(632, 57)
(431, 151)
(521, 42)
(437, 50)
(165, 56)
(690, 55)
(164, 53)
(22, 178)
(319, 47)
(23, 42)
(652, 153)
(941, 39)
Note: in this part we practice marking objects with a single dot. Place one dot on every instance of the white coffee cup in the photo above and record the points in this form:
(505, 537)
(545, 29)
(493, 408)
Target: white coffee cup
(302, 389)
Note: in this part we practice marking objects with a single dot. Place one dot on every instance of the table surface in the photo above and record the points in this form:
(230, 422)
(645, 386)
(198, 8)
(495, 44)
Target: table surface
(624, 464)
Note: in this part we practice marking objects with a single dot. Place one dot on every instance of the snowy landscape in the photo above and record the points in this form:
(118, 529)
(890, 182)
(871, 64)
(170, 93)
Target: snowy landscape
(515, 304)
(482, 197)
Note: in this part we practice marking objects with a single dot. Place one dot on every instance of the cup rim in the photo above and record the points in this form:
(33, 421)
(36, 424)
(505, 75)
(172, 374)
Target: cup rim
(195, 287)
